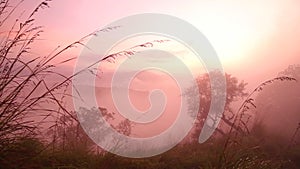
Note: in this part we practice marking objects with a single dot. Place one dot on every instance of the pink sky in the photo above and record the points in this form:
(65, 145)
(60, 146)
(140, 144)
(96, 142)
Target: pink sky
(254, 39)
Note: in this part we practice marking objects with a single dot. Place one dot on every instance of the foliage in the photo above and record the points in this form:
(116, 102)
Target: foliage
(234, 90)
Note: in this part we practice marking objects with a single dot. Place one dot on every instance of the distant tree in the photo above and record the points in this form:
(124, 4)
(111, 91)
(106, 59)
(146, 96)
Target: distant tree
(69, 135)
(235, 90)
(292, 71)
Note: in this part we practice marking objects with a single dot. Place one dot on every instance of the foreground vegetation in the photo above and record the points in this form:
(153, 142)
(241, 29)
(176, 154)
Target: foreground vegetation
(251, 151)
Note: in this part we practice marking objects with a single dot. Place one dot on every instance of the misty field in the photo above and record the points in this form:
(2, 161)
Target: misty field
(39, 128)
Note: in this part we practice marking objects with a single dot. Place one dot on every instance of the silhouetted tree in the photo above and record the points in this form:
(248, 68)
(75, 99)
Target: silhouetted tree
(235, 90)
